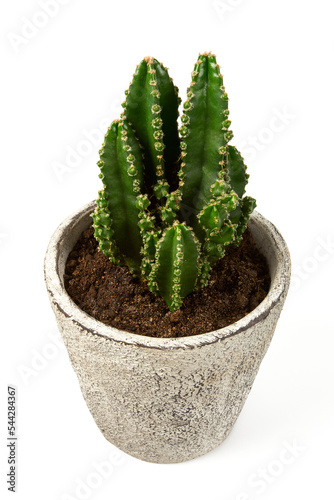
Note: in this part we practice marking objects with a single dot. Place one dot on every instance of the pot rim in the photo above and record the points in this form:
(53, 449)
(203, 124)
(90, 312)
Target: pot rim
(63, 302)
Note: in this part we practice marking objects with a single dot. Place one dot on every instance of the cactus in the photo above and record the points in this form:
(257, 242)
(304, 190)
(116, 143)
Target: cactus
(172, 198)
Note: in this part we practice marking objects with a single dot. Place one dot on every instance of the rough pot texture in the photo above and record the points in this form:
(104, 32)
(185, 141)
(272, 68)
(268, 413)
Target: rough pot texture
(165, 400)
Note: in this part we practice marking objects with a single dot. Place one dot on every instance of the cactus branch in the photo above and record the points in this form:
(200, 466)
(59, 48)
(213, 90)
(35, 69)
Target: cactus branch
(151, 106)
(240, 217)
(103, 229)
(176, 268)
(122, 175)
(236, 168)
(204, 135)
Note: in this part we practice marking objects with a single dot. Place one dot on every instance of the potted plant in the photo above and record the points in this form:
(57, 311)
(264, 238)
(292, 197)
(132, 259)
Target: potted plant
(172, 203)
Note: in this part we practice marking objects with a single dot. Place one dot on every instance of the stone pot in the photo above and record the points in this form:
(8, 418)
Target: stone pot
(165, 400)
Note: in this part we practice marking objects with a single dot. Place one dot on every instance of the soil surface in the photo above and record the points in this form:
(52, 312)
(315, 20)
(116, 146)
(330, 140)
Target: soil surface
(238, 283)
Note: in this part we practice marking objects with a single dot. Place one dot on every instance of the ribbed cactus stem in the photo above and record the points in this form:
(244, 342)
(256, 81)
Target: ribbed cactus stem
(237, 177)
(236, 171)
(171, 207)
(215, 220)
(204, 134)
(176, 269)
(103, 229)
(151, 106)
(240, 217)
(150, 234)
(122, 175)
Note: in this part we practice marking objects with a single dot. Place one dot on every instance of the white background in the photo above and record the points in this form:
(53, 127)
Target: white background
(60, 81)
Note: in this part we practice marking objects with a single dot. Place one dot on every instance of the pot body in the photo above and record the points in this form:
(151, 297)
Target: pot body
(165, 400)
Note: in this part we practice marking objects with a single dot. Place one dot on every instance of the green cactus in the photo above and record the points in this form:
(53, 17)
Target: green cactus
(151, 107)
(172, 199)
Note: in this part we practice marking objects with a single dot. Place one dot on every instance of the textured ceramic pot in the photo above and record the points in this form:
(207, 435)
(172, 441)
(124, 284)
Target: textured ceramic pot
(165, 400)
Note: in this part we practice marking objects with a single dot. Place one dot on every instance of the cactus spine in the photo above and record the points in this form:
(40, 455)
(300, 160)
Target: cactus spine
(170, 206)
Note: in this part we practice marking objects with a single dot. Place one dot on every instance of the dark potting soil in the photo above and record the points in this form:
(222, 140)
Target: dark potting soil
(238, 283)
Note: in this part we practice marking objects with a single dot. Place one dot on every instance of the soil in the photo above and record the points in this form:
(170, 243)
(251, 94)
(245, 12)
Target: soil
(238, 283)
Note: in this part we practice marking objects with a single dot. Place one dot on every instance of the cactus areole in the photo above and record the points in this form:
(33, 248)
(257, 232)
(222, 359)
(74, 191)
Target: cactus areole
(173, 196)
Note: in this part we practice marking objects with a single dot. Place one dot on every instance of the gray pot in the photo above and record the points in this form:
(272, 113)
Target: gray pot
(165, 400)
